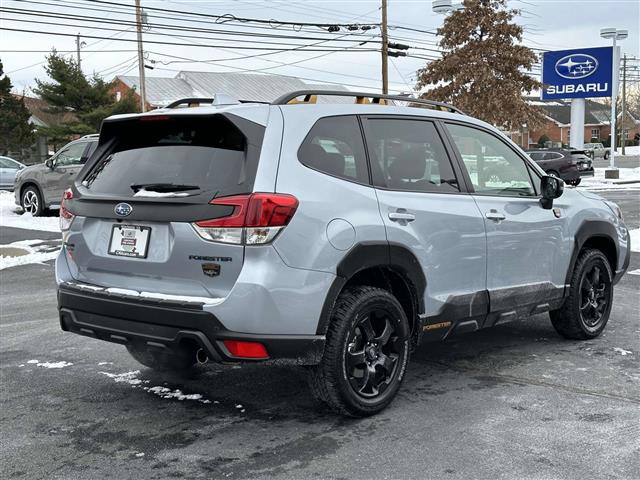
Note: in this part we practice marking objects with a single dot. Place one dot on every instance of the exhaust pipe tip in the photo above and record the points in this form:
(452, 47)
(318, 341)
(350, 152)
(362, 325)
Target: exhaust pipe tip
(201, 356)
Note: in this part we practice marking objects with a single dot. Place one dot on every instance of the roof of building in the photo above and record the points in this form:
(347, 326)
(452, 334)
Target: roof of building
(41, 114)
(161, 91)
(595, 113)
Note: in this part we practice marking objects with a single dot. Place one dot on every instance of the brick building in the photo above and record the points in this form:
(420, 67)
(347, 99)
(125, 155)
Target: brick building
(558, 124)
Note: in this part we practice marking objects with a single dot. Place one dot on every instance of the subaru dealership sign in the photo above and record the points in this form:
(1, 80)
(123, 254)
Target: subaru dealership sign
(581, 73)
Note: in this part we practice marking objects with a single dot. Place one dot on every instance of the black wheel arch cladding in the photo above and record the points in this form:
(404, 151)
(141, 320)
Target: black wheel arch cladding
(594, 231)
(366, 255)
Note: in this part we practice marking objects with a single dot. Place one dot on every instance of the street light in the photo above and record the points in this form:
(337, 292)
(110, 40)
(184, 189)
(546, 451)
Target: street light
(614, 34)
(445, 6)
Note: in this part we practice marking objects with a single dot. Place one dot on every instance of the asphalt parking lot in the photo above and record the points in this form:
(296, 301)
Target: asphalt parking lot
(516, 401)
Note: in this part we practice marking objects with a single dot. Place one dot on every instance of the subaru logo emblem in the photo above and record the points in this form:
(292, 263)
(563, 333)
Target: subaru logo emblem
(123, 209)
(576, 66)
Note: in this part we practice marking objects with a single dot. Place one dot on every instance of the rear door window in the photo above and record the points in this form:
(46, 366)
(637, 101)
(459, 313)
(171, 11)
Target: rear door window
(174, 156)
(408, 155)
(334, 146)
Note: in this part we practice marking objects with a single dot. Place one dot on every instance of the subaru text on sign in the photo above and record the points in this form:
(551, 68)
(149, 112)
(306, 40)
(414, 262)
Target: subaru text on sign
(580, 73)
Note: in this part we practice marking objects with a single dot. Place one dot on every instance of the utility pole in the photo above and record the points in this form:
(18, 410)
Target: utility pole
(624, 94)
(78, 50)
(143, 97)
(385, 50)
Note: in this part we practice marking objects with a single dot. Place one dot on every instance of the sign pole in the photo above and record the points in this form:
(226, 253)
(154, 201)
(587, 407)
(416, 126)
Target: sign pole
(613, 173)
(576, 135)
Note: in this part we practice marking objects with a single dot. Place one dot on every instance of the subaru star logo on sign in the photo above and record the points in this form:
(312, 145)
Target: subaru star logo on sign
(581, 73)
(576, 66)
(123, 209)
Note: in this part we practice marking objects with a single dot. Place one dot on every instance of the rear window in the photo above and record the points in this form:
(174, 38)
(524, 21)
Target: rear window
(175, 156)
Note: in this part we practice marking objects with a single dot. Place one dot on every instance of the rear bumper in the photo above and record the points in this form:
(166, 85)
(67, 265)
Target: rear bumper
(169, 325)
(588, 172)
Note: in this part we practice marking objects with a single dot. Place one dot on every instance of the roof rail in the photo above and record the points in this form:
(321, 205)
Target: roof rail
(218, 99)
(291, 97)
(91, 135)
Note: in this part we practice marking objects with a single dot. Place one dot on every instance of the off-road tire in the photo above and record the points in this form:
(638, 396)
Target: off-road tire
(163, 361)
(568, 319)
(328, 381)
(31, 201)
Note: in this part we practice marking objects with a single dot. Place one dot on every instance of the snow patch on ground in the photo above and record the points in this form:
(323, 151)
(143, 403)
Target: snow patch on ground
(634, 150)
(622, 351)
(598, 182)
(38, 363)
(132, 379)
(9, 216)
(634, 272)
(635, 239)
(37, 251)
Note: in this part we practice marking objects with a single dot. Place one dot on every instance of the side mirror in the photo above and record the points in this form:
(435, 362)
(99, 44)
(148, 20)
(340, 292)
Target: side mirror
(49, 163)
(550, 187)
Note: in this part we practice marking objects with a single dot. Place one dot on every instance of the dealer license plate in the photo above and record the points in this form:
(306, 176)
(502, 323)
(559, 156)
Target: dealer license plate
(129, 241)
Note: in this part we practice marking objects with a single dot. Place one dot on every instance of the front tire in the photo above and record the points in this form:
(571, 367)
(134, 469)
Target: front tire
(163, 361)
(31, 201)
(576, 182)
(366, 353)
(586, 310)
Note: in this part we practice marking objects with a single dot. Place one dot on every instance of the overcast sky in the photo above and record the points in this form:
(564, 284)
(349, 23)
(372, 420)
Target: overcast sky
(551, 25)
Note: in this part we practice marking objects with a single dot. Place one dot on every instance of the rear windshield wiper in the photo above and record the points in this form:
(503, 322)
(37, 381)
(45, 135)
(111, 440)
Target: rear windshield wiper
(163, 187)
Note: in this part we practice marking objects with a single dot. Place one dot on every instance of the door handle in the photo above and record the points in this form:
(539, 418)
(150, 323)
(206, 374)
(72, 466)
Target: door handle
(495, 215)
(407, 217)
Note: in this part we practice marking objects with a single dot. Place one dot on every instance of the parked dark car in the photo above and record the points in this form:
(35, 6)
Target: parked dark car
(568, 164)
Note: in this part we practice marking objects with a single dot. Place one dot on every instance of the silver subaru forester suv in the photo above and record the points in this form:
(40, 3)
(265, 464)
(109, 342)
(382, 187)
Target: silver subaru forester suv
(334, 236)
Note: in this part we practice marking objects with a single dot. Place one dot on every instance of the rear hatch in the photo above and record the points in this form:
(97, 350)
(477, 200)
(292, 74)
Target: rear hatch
(138, 200)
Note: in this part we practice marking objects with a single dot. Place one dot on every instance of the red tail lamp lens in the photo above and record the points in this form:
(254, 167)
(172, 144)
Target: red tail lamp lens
(241, 349)
(255, 210)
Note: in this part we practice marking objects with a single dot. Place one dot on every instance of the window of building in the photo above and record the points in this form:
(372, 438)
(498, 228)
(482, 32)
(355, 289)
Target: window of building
(595, 133)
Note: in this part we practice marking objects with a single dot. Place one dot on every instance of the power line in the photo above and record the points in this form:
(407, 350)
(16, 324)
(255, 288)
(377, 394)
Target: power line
(76, 25)
(86, 18)
(233, 18)
(353, 50)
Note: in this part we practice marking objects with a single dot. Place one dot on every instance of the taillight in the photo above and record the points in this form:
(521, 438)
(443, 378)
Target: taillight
(242, 349)
(256, 218)
(66, 217)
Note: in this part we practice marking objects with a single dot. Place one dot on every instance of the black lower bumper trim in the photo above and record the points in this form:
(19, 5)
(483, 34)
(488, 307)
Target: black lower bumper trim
(129, 321)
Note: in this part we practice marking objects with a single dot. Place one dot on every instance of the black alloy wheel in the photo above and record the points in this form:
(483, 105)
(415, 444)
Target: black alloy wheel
(371, 357)
(595, 296)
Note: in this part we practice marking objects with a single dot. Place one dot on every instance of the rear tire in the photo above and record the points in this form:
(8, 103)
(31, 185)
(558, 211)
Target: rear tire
(366, 353)
(31, 201)
(586, 310)
(553, 173)
(606, 155)
(163, 361)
